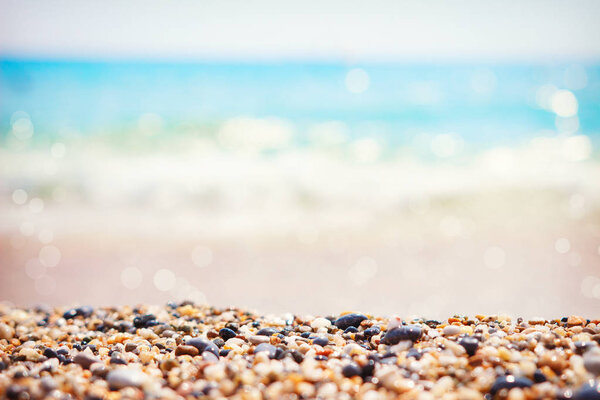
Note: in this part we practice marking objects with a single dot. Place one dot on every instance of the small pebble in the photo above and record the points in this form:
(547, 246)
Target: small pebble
(84, 360)
(266, 347)
(123, 377)
(451, 330)
(186, 350)
(227, 334)
(351, 370)
(470, 344)
(6, 332)
(401, 333)
(348, 320)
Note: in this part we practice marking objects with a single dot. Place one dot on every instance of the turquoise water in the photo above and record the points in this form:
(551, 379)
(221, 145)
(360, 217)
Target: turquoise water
(484, 104)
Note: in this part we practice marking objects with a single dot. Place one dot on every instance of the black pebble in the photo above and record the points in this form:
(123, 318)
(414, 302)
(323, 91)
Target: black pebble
(539, 377)
(2, 365)
(372, 331)
(321, 341)
(470, 344)
(305, 335)
(70, 314)
(269, 348)
(227, 334)
(224, 352)
(367, 369)
(351, 329)
(267, 332)
(48, 352)
(203, 345)
(351, 370)
(401, 333)
(509, 382)
(297, 356)
(348, 320)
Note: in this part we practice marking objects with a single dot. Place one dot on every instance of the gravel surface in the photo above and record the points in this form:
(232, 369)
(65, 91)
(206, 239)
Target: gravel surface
(196, 351)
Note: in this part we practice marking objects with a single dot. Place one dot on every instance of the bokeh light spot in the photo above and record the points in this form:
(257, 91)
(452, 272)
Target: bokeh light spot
(564, 103)
(357, 80)
(562, 245)
(19, 197)
(49, 256)
(164, 279)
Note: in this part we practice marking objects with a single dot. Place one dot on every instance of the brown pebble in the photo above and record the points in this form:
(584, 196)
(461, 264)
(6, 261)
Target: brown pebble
(186, 350)
(574, 320)
(130, 346)
(169, 364)
(553, 360)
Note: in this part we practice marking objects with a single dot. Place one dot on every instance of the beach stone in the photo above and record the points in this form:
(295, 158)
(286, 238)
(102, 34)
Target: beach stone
(509, 382)
(203, 345)
(186, 350)
(266, 347)
(591, 362)
(349, 320)
(319, 323)
(470, 344)
(210, 357)
(589, 391)
(451, 330)
(402, 333)
(6, 332)
(258, 339)
(574, 320)
(351, 370)
(124, 377)
(227, 334)
(84, 360)
(267, 332)
(321, 341)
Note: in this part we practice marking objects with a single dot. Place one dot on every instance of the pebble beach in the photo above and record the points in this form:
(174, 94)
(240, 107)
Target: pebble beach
(184, 350)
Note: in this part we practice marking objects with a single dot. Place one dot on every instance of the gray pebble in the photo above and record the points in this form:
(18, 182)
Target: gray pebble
(123, 377)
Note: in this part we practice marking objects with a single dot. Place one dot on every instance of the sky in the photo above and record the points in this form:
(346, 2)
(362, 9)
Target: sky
(380, 30)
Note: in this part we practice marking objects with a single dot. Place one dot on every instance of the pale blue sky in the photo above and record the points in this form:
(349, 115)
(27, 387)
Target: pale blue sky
(315, 30)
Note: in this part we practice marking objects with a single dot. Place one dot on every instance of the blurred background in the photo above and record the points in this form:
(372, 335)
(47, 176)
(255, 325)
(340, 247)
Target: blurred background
(412, 158)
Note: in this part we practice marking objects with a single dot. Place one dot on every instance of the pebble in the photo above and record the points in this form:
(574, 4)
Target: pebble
(124, 377)
(509, 382)
(321, 341)
(591, 362)
(203, 345)
(349, 320)
(258, 339)
(186, 350)
(451, 330)
(6, 332)
(320, 323)
(589, 391)
(267, 332)
(470, 344)
(401, 333)
(84, 360)
(266, 347)
(227, 334)
(350, 370)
